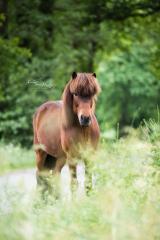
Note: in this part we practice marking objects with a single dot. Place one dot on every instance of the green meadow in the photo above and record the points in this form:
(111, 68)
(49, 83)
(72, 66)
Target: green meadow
(124, 203)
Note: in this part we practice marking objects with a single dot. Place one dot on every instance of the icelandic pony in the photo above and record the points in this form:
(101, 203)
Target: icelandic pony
(60, 127)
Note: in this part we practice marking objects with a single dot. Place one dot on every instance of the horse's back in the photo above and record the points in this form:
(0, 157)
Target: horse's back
(48, 106)
(46, 125)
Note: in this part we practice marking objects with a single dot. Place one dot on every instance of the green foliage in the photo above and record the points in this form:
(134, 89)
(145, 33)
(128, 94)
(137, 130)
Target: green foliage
(32, 22)
(14, 157)
(30, 86)
(42, 42)
(130, 90)
(125, 66)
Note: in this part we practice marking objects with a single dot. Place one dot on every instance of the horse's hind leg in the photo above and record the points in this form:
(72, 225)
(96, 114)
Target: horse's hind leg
(40, 160)
(48, 168)
(44, 164)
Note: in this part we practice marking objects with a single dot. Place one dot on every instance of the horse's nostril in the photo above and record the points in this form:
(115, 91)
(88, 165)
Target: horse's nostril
(82, 117)
(85, 119)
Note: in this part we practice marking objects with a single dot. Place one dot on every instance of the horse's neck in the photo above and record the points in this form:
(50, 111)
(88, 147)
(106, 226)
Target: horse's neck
(68, 118)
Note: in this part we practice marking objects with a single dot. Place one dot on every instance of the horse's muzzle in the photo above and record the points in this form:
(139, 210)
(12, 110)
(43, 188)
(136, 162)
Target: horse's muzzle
(85, 121)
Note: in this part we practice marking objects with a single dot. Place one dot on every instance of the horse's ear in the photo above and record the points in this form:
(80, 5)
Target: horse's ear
(94, 75)
(74, 75)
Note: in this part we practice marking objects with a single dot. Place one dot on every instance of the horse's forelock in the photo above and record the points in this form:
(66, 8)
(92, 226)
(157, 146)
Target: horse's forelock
(85, 84)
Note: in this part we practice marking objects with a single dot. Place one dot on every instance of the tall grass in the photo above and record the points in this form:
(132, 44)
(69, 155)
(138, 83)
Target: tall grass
(14, 157)
(124, 205)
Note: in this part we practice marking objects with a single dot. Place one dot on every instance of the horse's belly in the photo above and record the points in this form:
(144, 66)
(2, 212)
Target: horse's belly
(52, 145)
(49, 132)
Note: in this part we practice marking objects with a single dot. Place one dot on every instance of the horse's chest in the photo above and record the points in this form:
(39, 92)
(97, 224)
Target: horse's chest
(79, 135)
(74, 138)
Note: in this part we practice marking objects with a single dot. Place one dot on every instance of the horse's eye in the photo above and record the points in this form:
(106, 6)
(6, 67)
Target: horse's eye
(75, 94)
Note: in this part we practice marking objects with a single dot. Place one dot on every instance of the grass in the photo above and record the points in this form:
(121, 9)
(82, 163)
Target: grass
(14, 157)
(124, 205)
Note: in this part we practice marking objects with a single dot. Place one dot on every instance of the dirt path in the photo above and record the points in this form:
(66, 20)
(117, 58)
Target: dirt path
(21, 178)
(14, 187)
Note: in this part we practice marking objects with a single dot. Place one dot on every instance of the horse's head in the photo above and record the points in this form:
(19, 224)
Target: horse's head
(84, 89)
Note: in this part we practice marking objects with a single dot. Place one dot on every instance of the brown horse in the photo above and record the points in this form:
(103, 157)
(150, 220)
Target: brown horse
(60, 127)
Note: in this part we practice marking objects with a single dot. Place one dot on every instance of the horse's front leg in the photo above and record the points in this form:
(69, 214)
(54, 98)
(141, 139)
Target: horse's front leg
(77, 173)
(66, 183)
(80, 174)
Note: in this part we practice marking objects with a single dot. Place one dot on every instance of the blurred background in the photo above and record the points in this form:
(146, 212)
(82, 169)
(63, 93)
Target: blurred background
(42, 42)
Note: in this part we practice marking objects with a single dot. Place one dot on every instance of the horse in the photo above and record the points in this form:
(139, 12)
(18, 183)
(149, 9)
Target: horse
(61, 127)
